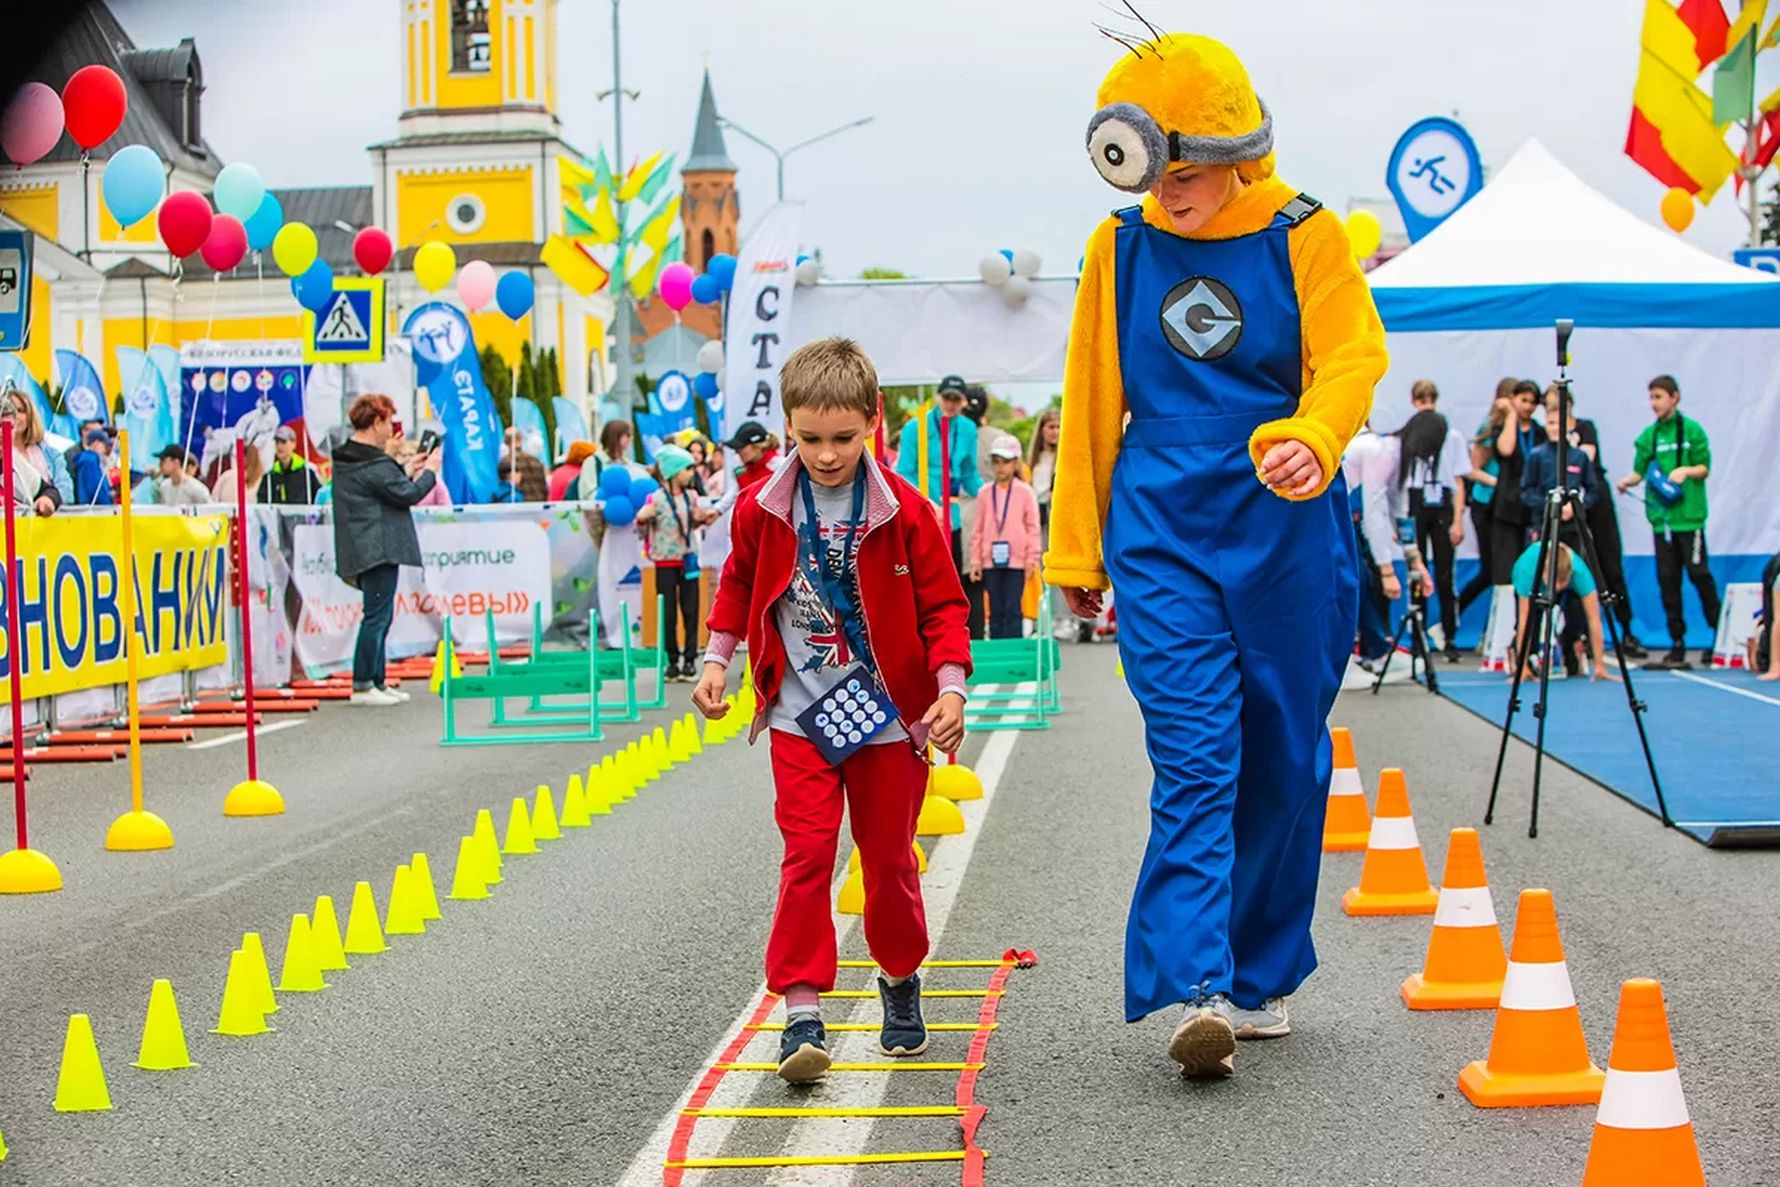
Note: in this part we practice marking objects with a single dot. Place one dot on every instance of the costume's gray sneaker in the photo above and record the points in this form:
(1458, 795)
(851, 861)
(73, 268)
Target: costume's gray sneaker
(1268, 1022)
(1204, 1044)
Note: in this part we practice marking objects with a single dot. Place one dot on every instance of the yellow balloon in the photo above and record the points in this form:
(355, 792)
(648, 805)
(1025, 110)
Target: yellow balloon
(434, 265)
(294, 248)
(1677, 209)
(1364, 232)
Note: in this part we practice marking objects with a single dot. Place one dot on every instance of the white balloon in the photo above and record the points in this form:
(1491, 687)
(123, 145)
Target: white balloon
(721, 373)
(1027, 263)
(994, 269)
(809, 272)
(710, 356)
(1016, 290)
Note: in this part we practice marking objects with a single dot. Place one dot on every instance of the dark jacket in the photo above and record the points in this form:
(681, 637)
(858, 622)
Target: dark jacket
(92, 486)
(293, 482)
(914, 606)
(1540, 477)
(372, 523)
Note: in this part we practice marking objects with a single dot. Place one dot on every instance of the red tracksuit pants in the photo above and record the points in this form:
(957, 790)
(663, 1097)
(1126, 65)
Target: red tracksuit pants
(881, 787)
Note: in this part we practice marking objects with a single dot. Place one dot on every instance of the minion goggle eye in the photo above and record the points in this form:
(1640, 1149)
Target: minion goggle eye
(1131, 151)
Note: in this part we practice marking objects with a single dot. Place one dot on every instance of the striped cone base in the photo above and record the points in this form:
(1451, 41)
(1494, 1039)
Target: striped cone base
(1643, 1135)
(1394, 880)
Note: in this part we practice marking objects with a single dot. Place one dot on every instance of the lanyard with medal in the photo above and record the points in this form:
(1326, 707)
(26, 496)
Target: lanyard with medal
(1001, 551)
(854, 710)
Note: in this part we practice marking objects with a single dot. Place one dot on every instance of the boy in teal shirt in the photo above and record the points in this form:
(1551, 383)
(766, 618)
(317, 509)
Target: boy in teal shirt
(1672, 457)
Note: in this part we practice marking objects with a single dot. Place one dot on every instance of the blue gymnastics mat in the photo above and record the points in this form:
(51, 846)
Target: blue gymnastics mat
(1711, 733)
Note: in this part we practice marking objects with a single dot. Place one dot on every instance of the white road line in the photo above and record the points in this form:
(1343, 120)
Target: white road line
(1742, 692)
(712, 1133)
(241, 735)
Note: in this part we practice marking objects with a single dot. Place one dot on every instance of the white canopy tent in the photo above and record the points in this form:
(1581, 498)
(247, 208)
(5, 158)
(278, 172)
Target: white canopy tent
(1477, 298)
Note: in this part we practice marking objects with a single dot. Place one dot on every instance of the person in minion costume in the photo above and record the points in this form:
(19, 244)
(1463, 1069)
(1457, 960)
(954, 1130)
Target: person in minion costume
(1227, 318)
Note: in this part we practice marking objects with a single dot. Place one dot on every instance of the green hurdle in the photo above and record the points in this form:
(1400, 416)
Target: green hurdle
(1009, 663)
(503, 681)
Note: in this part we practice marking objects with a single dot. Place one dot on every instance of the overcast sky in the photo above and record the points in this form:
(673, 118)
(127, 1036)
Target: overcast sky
(979, 108)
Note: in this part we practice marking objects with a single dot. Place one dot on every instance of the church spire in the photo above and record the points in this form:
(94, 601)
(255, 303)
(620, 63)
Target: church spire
(708, 151)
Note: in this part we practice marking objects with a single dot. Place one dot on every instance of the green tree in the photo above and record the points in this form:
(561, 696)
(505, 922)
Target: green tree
(1770, 226)
(882, 274)
(498, 378)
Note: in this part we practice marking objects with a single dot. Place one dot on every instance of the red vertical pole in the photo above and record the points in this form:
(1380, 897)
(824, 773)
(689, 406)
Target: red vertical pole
(945, 488)
(878, 442)
(14, 652)
(241, 585)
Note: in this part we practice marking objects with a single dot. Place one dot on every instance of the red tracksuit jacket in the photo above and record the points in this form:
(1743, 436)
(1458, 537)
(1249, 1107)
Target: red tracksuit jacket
(915, 612)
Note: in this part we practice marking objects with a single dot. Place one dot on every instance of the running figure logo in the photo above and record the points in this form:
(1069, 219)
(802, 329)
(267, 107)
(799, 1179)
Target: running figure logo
(1201, 318)
(342, 323)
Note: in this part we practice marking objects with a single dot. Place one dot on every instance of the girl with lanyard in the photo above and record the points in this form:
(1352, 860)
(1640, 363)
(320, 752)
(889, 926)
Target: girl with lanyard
(1511, 520)
(671, 542)
(1006, 540)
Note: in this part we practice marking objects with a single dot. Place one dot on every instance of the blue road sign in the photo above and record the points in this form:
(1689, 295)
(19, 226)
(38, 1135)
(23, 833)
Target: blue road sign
(349, 328)
(15, 289)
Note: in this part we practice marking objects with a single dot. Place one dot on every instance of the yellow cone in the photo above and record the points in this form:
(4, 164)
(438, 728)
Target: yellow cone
(163, 1038)
(519, 830)
(241, 1012)
(403, 918)
(80, 1088)
(324, 935)
(302, 970)
(487, 847)
(714, 727)
(618, 777)
(2, 1147)
(852, 896)
(955, 781)
(664, 758)
(364, 936)
(262, 973)
(420, 873)
(469, 880)
(647, 762)
(544, 826)
(574, 805)
(939, 817)
(692, 740)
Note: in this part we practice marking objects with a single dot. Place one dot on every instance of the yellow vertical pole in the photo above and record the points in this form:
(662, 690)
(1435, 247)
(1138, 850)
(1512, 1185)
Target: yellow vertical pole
(135, 829)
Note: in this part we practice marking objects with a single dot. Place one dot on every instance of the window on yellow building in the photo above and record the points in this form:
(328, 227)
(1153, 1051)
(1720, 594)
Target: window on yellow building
(469, 37)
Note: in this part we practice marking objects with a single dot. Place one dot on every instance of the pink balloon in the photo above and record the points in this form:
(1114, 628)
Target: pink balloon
(227, 244)
(475, 284)
(32, 123)
(675, 285)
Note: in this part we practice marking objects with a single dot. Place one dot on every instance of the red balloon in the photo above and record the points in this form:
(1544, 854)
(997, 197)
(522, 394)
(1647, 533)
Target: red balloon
(184, 222)
(94, 102)
(226, 245)
(372, 249)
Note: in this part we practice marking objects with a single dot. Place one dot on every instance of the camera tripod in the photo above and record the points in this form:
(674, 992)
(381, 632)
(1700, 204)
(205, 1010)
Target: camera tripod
(1414, 621)
(1542, 612)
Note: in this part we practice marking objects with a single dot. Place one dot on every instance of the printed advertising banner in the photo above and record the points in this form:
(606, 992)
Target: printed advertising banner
(71, 611)
(757, 336)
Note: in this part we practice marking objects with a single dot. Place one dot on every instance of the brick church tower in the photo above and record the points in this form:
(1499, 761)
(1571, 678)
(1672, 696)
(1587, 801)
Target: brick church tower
(710, 212)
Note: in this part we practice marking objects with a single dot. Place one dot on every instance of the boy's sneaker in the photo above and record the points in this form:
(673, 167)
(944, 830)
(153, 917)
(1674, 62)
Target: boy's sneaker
(904, 1032)
(1268, 1022)
(803, 1051)
(1204, 1044)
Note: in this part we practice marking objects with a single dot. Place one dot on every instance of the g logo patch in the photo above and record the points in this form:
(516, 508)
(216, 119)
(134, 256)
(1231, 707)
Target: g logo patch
(1202, 318)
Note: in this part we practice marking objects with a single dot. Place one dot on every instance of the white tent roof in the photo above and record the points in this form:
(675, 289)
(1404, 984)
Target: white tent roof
(1537, 223)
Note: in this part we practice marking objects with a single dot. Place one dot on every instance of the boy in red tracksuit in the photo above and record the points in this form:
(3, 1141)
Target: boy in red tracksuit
(841, 579)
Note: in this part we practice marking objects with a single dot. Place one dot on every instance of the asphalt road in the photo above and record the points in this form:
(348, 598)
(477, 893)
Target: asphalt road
(543, 1035)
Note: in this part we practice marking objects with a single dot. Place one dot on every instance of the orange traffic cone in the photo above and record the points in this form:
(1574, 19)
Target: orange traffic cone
(1643, 1137)
(1394, 880)
(1538, 1055)
(1465, 962)
(1346, 824)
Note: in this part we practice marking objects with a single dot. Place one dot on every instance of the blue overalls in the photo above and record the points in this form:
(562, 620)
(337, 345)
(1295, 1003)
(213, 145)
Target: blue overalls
(1236, 616)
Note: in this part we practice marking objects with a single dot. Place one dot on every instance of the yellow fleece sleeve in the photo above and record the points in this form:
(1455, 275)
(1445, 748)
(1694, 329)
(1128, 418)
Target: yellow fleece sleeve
(1344, 354)
(1093, 424)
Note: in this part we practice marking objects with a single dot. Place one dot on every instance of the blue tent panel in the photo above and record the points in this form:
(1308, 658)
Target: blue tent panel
(1753, 306)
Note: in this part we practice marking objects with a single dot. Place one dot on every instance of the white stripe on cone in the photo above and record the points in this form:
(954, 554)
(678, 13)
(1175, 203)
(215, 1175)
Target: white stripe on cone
(1642, 1100)
(1544, 986)
(1468, 906)
(1393, 832)
(1346, 781)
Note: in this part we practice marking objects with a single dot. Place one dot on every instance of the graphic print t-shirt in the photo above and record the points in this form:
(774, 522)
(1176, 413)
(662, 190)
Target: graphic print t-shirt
(816, 648)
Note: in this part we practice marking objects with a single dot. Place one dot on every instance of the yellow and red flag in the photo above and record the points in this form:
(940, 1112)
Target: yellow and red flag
(1673, 134)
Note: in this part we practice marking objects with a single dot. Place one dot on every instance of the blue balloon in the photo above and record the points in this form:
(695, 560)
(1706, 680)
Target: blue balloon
(133, 183)
(620, 510)
(514, 294)
(705, 384)
(641, 488)
(263, 225)
(239, 190)
(705, 289)
(722, 267)
(615, 482)
(315, 287)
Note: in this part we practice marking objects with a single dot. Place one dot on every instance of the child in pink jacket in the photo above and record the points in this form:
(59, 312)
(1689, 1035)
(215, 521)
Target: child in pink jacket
(1006, 541)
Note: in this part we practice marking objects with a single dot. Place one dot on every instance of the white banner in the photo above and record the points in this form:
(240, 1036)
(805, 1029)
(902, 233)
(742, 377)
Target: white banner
(621, 584)
(1738, 623)
(758, 335)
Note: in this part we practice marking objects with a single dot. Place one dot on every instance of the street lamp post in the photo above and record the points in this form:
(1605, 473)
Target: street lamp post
(623, 381)
(780, 156)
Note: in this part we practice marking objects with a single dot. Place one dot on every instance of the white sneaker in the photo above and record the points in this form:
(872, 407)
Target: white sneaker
(397, 693)
(373, 696)
(1268, 1022)
(1204, 1044)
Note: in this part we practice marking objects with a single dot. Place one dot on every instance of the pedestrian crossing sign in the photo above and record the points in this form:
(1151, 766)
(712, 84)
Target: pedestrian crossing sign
(349, 328)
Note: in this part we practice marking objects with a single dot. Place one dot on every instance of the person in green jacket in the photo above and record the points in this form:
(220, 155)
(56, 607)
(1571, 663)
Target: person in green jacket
(951, 439)
(1672, 458)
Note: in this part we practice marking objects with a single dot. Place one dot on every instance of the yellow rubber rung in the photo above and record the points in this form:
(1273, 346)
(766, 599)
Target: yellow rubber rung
(925, 993)
(875, 1026)
(901, 1065)
(811, 1111)
(715, 1164)
(931, 964)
